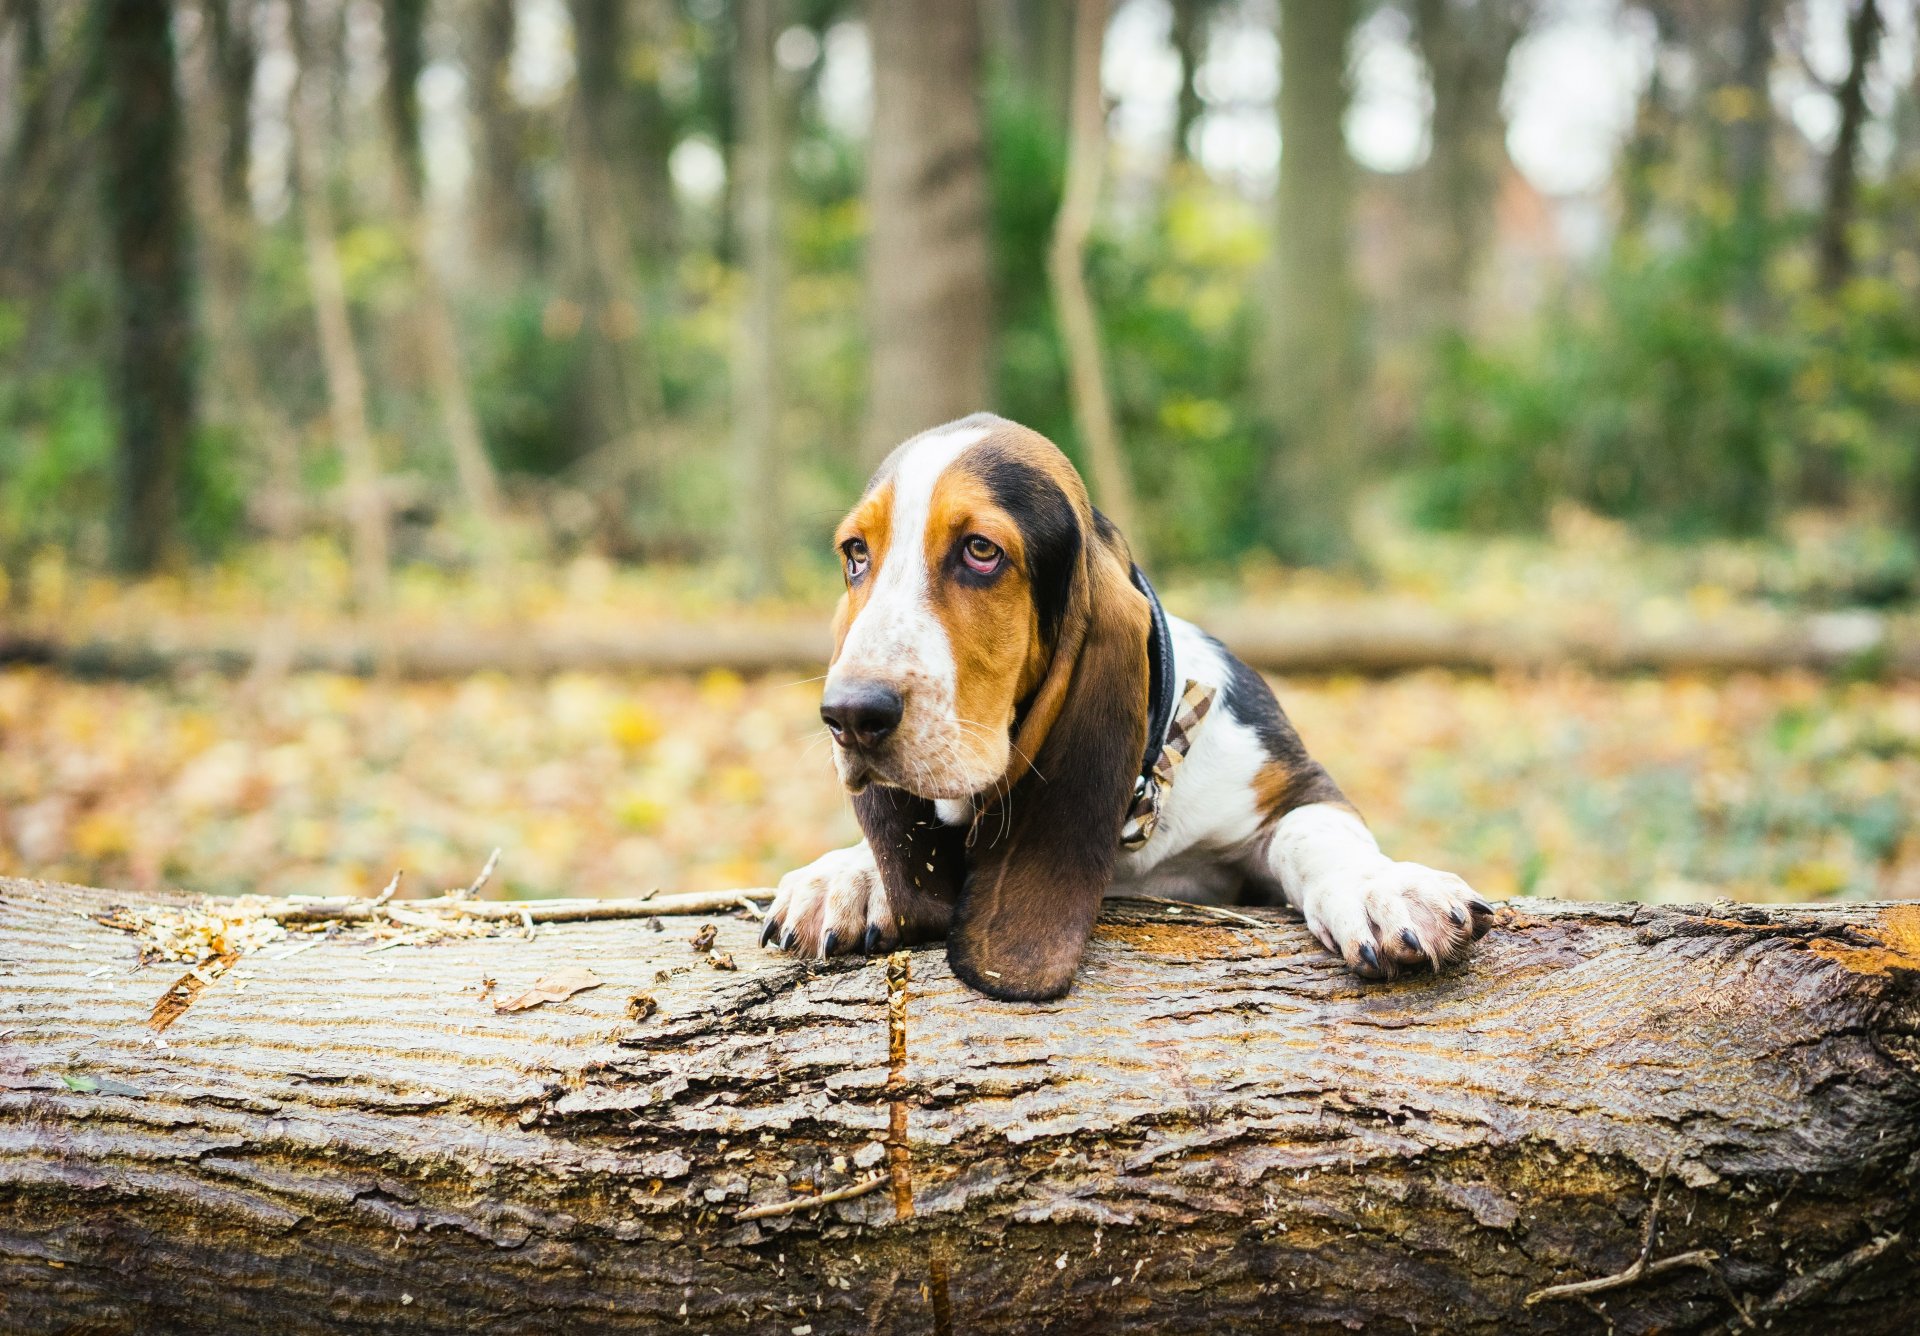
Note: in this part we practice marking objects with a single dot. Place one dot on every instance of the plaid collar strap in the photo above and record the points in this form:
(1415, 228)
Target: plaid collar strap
(1150, 789)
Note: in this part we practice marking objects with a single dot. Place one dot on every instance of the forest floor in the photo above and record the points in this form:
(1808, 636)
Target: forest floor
(1564, 784)
(1556, 782)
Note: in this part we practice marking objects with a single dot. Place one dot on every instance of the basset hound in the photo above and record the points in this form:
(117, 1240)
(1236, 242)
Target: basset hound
(1023, 729)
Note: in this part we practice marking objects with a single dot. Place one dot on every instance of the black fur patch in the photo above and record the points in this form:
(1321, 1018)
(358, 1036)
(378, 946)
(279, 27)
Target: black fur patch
(1047, 523)
(1251, 703)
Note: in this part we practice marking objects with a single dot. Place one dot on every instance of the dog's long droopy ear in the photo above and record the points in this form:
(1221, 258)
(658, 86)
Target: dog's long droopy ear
(921, 863)
(1044, 855)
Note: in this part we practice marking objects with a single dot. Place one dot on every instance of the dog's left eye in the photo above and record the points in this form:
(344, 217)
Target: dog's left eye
(982, 555)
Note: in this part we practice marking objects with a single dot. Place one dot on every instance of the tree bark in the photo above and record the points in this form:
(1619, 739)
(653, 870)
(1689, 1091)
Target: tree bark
(623, 400)
(756, 359)
(1218, 1130)
(1312, 360)
(928, 295)
(1188, 37)
(235, 58)
(1093, 414)
(26, 206)
(223, 217)
(151, 257)
(507, 219)
(1465, 47)
(339, 355)
(1834, 245)
(439, 338)
(1650, 147)
(1750, 149)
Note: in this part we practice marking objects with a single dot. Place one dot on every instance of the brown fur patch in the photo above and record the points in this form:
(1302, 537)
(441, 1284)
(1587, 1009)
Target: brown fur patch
(990, 627)
(1279, 787)
(872, 523)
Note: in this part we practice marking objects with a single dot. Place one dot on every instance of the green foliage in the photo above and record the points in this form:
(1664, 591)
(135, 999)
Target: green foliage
(1681, 398)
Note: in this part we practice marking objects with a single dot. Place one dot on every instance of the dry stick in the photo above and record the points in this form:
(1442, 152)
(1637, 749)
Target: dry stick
(859, 1189)
(356, 910)
(1204, 909)
(392, 886)
(473, 887)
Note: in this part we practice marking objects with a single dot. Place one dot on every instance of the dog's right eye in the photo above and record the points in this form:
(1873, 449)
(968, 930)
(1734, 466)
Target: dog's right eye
(855, 553)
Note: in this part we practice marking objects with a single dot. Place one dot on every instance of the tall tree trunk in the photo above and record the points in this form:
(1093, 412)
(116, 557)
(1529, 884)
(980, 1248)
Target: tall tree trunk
(366, 504)
(1750, 147)
(1834, 245)
(929, 302)
(222, 219)
(1466, 48)
(1093, 414)
(507, 217)
(1189, 38)
(439, 338)
(1312, 362)
(26, 203)
(623, 401)
(757, 156)
(1650, 146)
(235, 58)
(152, 265)
(651, 138)
(1219, 1130)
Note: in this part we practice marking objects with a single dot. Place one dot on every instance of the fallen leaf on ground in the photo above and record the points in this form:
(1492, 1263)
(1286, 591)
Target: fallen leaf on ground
(641, 1005)
(555, 987)
(722, 960)
(704, 938)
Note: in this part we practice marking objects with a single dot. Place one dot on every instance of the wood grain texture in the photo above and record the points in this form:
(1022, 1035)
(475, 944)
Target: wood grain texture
(1217, 1130)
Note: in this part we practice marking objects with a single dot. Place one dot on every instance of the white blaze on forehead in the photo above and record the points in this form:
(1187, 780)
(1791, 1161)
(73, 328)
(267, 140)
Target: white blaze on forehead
(896, 636)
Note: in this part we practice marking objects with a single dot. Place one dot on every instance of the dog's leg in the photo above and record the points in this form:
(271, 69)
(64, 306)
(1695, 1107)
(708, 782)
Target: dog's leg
(1378, 915)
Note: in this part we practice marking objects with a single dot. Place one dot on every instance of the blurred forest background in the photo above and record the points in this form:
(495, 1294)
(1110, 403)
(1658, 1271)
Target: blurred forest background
(481, 314)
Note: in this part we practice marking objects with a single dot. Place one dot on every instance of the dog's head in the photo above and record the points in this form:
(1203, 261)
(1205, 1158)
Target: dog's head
(991, 650)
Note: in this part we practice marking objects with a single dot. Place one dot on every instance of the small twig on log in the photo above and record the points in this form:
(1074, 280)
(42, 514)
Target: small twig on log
(473, 887)
(388, 893)
(298, 910)
(860, 1189)
(1216, 910)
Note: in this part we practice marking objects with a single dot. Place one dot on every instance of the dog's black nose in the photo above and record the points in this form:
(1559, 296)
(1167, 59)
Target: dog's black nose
(861, 714)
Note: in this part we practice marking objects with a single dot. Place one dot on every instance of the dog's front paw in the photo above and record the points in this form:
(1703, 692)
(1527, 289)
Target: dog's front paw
(833, 905)
(1396, 916)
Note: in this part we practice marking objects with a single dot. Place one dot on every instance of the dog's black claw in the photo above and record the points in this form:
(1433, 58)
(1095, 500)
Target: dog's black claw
(767, 931)
(786, 942)
(1412, 942)
(1369, 956)
(1459, 919)
(1480, 906)
(832, 940)
(871, 942)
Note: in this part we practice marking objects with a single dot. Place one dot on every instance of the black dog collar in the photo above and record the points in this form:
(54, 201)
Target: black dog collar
(1160, 687)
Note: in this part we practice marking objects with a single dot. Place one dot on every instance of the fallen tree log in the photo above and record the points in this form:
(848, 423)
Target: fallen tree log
(1365, 637)
(1217, 1130)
